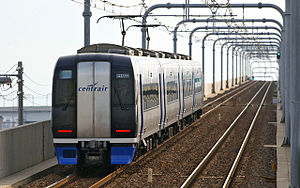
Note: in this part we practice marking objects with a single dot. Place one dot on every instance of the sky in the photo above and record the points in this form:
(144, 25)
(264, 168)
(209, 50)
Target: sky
(38, 32)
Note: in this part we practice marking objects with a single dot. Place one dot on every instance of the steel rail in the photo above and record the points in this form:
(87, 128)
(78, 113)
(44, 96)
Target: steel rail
(62, 182)
(107, 178)
(240, 153)
(212, 151)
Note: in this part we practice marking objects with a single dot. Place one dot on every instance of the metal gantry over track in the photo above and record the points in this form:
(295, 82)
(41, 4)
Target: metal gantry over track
(268, 54)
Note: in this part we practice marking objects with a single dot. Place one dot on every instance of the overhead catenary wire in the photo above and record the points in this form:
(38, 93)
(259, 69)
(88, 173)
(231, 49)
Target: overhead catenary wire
(103, 9)
(11, 68)
(8, 93)
(143, 5)
(121, 6)
(32, 102)
(6, 99)
(35, 81)
(34, 91)
(9, 99)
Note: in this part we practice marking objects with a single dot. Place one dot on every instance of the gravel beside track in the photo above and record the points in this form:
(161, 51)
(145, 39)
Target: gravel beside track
(55, 174)
(172, 162)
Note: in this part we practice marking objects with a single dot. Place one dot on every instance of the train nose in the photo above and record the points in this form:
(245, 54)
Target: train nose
(93, 100)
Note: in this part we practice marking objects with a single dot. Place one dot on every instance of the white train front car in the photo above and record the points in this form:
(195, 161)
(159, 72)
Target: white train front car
(109, 107)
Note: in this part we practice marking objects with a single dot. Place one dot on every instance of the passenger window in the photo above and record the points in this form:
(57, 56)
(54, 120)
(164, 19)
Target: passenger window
(197, 85)
(150, 95)
(188, 87)
(172, 92)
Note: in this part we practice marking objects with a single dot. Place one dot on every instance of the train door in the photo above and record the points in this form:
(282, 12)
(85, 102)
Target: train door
(93, 100)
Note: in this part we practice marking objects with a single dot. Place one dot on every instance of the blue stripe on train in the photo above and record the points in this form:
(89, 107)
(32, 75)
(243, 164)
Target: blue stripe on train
(122, 155)
(66, 155)
(142, 109)
(160, 99)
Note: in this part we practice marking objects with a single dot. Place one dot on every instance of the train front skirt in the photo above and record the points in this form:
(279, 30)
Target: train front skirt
(122, 155)
(119, 155)
(66, 155)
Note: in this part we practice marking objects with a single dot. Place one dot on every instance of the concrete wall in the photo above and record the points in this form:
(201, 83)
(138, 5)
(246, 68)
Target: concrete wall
(24, 146)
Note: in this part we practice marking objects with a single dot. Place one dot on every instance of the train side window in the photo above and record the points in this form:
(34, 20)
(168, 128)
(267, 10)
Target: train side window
(172, 92)
(150, 95)
(188, 88)
(197, 85)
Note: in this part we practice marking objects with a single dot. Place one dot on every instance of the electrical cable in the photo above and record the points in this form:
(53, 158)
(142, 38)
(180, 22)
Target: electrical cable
(35, 81)
(34, 91)
(104, 9)
(8, 94)
(34, 103)
(8, 99)
(11, 68)
(121, 6)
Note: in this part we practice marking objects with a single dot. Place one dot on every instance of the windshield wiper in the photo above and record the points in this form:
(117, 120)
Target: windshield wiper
(119, 98)
(68, 103)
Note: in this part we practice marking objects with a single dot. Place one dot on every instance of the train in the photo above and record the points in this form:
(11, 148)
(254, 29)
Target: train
(113, 103)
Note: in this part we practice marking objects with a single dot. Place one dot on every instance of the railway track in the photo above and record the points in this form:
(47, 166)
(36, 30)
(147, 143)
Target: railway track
(209, 107)
(207, 164)
(62, 182)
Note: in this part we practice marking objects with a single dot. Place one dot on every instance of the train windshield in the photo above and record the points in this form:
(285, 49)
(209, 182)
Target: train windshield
(64, 89)
(63, 111)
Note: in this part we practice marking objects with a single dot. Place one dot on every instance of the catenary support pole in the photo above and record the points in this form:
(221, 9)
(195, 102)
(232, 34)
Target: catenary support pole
(287, 60)
(87, 16)
(295, 90)
(20, 93)
(244, 66)
(236, 65)
(283, 65)
(241, 66)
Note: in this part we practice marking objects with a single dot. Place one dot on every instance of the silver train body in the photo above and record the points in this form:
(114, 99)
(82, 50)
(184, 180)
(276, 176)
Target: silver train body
(111, 107)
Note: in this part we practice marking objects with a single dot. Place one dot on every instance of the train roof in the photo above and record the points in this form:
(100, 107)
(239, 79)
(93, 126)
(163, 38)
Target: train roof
(117, 49)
